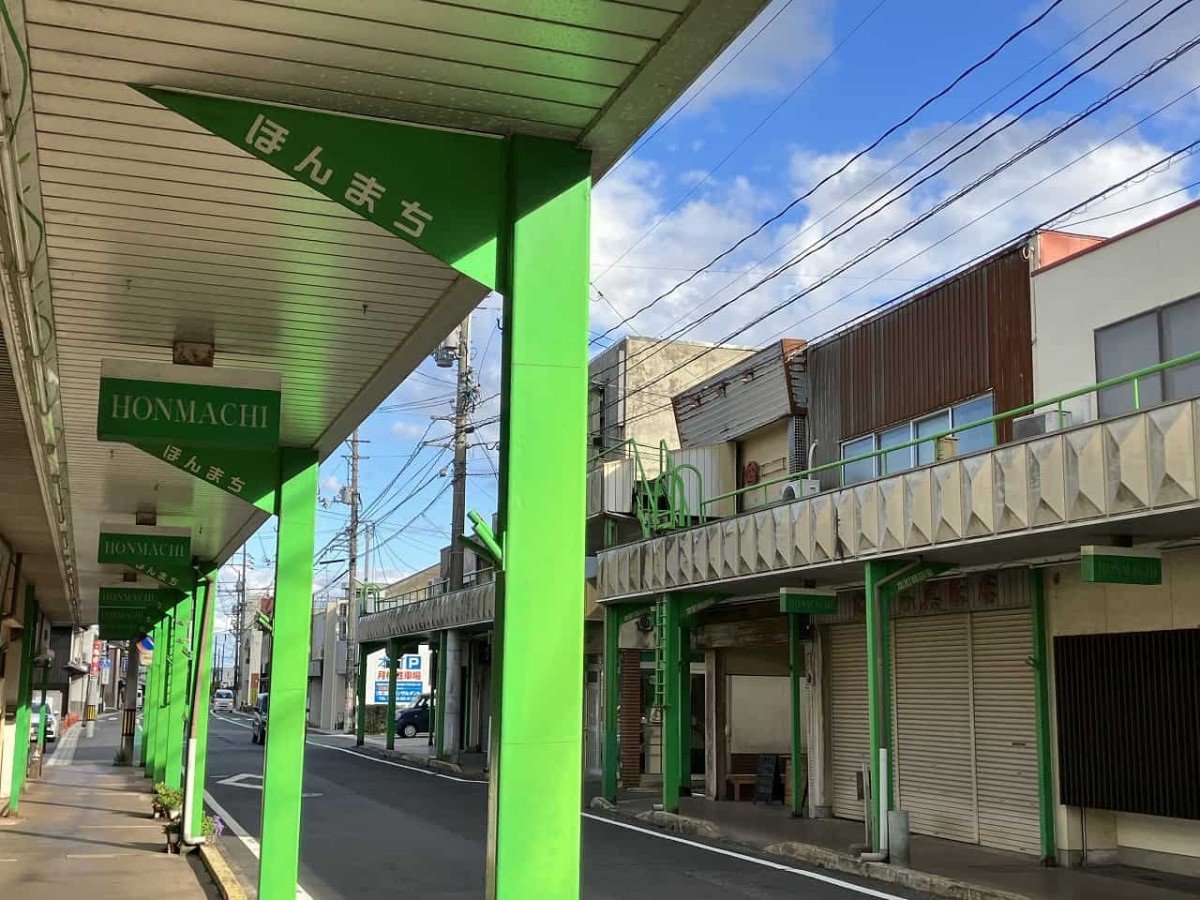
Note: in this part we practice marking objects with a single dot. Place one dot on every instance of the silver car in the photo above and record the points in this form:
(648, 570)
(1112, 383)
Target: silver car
(35, 717)
(222, 700)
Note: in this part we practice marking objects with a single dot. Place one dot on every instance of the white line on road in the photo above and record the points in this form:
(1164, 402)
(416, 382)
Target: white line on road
(245, 837)
(744, 857)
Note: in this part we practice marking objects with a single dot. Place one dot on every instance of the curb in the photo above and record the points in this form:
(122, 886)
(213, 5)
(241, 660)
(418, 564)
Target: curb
(220, 872)
(435, 765)
(820, 857)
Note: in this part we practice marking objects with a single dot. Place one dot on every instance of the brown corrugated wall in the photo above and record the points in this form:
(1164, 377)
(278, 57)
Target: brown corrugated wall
(957, 340)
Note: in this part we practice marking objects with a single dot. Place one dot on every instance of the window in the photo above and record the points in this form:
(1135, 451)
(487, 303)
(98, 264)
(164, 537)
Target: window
(978, 438)
(863, 470)
(1146, 340)
(981, 437)
(927, 452)
(897, 460)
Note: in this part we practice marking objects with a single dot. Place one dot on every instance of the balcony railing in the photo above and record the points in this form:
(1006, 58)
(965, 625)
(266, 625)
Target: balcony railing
(431, 590)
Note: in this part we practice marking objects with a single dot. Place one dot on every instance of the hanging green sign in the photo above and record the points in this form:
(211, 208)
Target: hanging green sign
(199, 406)
(440, 190)
(1120, 565)
(164, 554)
(250, 476)
(808, 600)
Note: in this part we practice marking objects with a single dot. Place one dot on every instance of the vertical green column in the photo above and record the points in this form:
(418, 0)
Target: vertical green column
(198, 739)
(672, 714)
(162, 707)
(535, 760)
(879, 681)
(283, 771)
(684, 704)
(393, 652)
(149, 703)
(610, 751)
(177, 701)
(1041, 675)
(796, 675)
(20, 764)
(360, 705)
(42, 707)
(439, 699)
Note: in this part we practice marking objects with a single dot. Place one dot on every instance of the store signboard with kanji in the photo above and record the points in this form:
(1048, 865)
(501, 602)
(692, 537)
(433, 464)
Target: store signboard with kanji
(440, 190)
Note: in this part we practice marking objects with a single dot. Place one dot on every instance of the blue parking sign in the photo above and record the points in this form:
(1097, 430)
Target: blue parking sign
(412, 662)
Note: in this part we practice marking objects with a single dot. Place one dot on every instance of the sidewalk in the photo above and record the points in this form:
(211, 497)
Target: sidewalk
(943, 867)
(417, 751)
(85, 831)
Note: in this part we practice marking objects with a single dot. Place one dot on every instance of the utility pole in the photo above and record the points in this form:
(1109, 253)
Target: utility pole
(239, 620)
(352, 601)
(462, 410)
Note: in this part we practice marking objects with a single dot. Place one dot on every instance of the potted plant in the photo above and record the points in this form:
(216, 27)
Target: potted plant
(211, 827)
(173, 829)
(167, 802)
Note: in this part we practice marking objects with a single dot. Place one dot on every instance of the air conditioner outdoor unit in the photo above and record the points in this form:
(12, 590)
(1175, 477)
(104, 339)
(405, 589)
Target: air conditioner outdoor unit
(801, 487)
(1040, 423)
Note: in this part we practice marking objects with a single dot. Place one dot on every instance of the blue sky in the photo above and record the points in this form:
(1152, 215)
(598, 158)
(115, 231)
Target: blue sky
(809, 84)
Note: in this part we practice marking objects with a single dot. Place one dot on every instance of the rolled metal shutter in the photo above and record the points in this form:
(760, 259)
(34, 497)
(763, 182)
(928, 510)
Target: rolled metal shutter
(848, 716)
(1005, 730)
(934, 754)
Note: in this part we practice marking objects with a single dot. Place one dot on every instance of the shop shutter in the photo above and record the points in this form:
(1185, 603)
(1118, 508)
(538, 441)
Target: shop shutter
(849, 726)
(1005, 730)
(932, 710)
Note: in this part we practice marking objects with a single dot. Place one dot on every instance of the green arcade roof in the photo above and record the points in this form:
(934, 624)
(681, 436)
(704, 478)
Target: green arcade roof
(158, 231)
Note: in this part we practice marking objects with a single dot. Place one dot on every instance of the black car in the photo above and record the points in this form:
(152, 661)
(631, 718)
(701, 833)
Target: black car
(415, 719)
(258, 730)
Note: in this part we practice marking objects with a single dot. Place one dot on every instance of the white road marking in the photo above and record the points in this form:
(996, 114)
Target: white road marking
(745, 857)
(247, 779)
(251, 843)
(387, 762)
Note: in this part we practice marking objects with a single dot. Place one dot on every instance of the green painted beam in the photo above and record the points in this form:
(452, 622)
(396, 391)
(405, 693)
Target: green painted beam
(147, 757)
(670, 638)
(197, 756)
(393, 653)
(20, 764)
(683, 703)
(360, 705)
(1041, 674)
(162, 713)
(534, 822)
(796, 677)
(177, 700)
(610, 754)
(283, 770)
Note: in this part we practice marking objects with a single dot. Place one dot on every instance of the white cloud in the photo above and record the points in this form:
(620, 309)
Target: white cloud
(331, 483)
(767, 60)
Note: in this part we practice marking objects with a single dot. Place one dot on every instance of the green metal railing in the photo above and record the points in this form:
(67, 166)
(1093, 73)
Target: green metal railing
(1132, 378)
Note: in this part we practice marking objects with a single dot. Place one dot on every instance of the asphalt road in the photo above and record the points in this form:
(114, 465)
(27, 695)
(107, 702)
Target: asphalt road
(372, 828)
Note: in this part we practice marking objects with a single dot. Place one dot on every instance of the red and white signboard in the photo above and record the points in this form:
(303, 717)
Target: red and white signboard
(97, 652)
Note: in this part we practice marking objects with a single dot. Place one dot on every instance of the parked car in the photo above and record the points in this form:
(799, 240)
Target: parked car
(258, 730)
(415, 719)
(222, 700)
(51, 724)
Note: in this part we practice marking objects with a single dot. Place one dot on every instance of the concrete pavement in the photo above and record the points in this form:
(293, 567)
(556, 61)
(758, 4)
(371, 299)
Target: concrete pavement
(375, 827)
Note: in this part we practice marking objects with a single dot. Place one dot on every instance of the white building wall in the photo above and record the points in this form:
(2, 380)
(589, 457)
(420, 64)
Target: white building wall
(1076, 607)
(1142, 271)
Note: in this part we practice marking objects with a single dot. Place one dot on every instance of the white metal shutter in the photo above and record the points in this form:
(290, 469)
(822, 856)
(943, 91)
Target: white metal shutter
(1005, 730)
(934, 758)
(848, 715)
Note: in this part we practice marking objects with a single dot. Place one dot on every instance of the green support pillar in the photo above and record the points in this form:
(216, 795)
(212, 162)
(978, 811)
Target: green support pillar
(177, 700)
(684, 704)
(148, 700)
(439, 699)
(360, 704)
(1041, 675)
(611, 751)
(20, 764)
(670, 639)
(41, 735)
(162, 708)
(535, 758)
(283, 771)
(393, 652)
(197, 746)
(879, 696)
(796, 675)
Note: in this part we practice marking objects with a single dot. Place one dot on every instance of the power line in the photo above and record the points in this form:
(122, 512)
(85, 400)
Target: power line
(851, 223)
(741, 143)
(925, 104)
